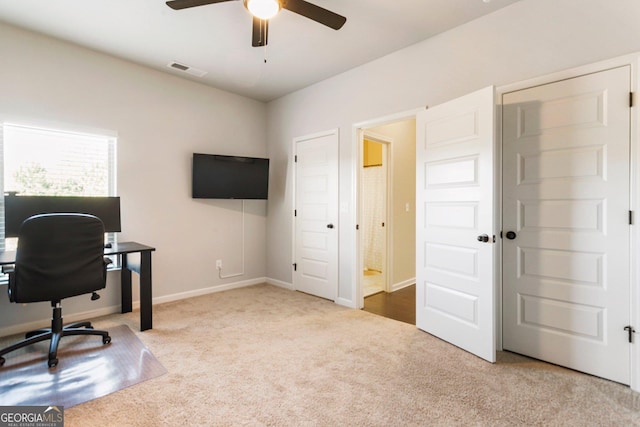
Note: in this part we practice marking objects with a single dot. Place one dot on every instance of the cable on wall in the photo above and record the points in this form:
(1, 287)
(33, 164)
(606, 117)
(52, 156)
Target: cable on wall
(228, 276)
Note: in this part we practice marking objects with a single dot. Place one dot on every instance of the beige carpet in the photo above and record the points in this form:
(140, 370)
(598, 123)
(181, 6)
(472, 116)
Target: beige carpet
(267, 356)
(87, 369)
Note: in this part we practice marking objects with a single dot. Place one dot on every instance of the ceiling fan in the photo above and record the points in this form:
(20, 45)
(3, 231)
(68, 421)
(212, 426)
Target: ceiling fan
(263, 10)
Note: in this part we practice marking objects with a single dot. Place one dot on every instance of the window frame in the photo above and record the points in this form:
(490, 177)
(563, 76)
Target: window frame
(110, 137)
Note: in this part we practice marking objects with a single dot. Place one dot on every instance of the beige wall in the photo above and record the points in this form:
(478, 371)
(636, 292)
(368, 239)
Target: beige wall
(371, 153)
(403, 192)
(160, 121)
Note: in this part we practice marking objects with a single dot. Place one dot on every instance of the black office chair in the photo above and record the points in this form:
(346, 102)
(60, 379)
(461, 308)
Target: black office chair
(58, 256)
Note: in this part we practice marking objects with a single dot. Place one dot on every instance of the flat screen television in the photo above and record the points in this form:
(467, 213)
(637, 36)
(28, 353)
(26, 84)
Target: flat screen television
(19, 208)
(229, 177)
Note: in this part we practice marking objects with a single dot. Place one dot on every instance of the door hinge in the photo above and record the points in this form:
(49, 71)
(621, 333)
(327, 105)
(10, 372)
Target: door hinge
(295, 267)
(631, 331)
(295, 158)
(357, 226)
(630, 99)
(295, 212)
(630, 217)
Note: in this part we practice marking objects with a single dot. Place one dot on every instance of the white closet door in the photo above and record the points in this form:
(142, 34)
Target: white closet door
(566, 205)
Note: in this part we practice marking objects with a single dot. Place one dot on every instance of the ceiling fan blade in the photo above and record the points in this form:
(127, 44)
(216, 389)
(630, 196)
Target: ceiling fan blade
(260, 36)
(184, 4)
(316, 13)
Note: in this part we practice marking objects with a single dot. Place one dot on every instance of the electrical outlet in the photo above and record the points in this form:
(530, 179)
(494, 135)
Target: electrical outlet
(219, 264)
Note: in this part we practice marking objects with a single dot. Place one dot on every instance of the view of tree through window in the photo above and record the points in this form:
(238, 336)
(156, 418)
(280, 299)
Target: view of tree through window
(34, 179)
(45, 162)
(39, 162)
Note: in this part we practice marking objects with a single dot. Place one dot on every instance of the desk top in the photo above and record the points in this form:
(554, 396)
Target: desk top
(9, 257)
(127, 247)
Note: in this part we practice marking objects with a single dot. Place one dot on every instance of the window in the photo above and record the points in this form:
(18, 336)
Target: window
(37, 162)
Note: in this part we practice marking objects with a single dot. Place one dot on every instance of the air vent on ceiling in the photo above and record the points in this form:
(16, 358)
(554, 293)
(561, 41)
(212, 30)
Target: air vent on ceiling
(186, 69)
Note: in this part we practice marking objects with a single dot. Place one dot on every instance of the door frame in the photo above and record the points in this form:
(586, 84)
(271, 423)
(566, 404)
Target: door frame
(632, 60)
(294, 142)
(388, 256)
(358, 131)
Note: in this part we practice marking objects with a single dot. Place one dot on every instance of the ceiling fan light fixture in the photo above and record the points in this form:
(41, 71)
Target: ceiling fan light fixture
(263, 9)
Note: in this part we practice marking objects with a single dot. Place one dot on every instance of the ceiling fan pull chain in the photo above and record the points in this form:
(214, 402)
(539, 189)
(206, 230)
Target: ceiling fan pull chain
(265, 53)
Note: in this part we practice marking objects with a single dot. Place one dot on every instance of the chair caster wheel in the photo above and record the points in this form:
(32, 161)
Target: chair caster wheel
(106, 340)
(2, 361)
(52, 363)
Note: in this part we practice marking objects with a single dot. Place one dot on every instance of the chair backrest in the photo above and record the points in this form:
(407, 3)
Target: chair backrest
(58, 256)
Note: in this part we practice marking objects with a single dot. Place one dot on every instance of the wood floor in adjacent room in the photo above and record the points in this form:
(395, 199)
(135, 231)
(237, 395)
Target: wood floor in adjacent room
(399, 305)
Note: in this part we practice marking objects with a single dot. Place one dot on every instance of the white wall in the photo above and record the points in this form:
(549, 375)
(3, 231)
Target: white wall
(525, 40)
(160, 121)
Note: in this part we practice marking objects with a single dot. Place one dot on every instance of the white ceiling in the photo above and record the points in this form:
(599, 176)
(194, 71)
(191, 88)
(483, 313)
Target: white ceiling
(217, 38)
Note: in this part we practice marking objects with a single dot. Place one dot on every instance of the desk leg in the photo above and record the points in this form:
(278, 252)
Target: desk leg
(146, 319)
(125, 282)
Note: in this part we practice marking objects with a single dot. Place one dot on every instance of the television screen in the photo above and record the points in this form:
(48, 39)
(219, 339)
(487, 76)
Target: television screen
(19, 208)
(229, 177)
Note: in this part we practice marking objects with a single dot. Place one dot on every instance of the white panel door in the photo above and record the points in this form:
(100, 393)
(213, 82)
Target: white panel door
(566, 204)
(316, 215)
(455, 290)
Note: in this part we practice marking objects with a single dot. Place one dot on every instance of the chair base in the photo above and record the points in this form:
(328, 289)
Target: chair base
(55, 333)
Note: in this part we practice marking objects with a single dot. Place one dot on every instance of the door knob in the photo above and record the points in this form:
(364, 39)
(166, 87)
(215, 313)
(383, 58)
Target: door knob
(483, 238)
(329, 225)
(511, 235)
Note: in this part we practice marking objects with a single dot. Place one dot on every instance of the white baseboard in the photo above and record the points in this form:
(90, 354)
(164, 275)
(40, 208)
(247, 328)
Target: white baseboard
(286, 285)
(204, 291)
(280, 283)
(346, 302)
(403, 284)
(91, 314)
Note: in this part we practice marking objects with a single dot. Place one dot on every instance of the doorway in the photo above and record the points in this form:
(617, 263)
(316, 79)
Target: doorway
(386, 217)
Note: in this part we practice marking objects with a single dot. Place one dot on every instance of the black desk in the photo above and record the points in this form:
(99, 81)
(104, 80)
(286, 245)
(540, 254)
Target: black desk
(143, 268)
